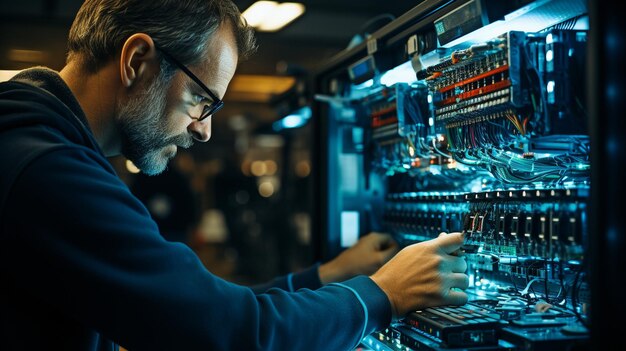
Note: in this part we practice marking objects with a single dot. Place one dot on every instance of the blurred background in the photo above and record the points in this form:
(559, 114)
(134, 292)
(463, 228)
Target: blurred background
(243, 200)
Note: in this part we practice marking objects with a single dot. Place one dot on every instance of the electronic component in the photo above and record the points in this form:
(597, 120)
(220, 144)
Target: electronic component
(471, 16)
(486, 134)
(362, 70)
(457, 326)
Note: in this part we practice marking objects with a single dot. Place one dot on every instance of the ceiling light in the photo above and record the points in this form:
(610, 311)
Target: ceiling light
(30, 56)
(257, 88)
(257, 12)
(270, 16)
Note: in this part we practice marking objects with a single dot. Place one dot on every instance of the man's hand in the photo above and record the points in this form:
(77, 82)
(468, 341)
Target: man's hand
(424, 275)
(364, 257)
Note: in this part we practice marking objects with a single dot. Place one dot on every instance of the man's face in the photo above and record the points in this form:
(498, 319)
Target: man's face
(147, 139)
(156, 120)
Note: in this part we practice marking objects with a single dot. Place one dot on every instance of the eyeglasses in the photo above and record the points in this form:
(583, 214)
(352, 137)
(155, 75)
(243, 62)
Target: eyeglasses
(216, 103)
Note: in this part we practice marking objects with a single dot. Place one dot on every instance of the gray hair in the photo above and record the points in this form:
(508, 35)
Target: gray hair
(181, 27)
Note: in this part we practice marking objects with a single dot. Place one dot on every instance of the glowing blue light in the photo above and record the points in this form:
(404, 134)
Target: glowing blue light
(462, 167)
(550, 87)
(401, 74)
(430, 99)
(294, 120)
(549, 38)
(549, 55)
(365, 85)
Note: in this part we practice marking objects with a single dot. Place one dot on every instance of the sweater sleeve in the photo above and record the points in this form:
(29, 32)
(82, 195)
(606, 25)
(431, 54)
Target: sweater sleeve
(80, 242)
(308, 279)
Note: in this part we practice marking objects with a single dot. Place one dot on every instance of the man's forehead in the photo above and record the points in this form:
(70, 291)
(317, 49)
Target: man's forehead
(221, 59)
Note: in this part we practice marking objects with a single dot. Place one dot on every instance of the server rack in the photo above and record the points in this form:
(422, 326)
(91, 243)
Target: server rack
(502, 121)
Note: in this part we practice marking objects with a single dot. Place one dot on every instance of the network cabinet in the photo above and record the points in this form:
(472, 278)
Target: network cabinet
(476, 116)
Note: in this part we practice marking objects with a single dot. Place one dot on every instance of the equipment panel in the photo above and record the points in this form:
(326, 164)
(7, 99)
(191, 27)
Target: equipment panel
(484, 131)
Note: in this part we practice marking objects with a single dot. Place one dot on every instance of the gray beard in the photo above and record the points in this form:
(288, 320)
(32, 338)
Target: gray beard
(142, 123)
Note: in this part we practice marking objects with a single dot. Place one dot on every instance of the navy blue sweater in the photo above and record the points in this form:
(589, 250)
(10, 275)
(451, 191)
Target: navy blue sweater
(83, 266)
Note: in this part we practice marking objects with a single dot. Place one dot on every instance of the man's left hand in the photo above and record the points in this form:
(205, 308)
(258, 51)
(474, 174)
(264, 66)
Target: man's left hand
(365, 257)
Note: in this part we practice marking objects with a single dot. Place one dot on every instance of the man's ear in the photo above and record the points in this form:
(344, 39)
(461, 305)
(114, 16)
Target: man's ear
(136, 58)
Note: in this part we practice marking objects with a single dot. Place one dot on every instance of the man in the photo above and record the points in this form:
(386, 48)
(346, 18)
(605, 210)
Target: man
(83, 266)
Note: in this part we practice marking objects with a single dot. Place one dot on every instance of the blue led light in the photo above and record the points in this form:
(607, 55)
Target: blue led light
(294, 120)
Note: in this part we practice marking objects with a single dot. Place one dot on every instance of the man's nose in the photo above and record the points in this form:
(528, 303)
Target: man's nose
(201, 130)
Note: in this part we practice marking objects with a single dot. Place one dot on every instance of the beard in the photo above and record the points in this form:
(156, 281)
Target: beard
(143, 126)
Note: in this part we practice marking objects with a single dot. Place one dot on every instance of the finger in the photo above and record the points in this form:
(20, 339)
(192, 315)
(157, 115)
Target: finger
(457, 264)
(455, 297)
(385, 240)
(392, 244)
(450, 242)
(459, 280)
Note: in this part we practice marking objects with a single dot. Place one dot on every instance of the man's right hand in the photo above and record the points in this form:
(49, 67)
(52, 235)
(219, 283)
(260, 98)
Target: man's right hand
(424, 275)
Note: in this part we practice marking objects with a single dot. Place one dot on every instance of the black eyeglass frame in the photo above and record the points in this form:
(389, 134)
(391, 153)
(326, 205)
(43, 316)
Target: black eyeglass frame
(215, 105)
